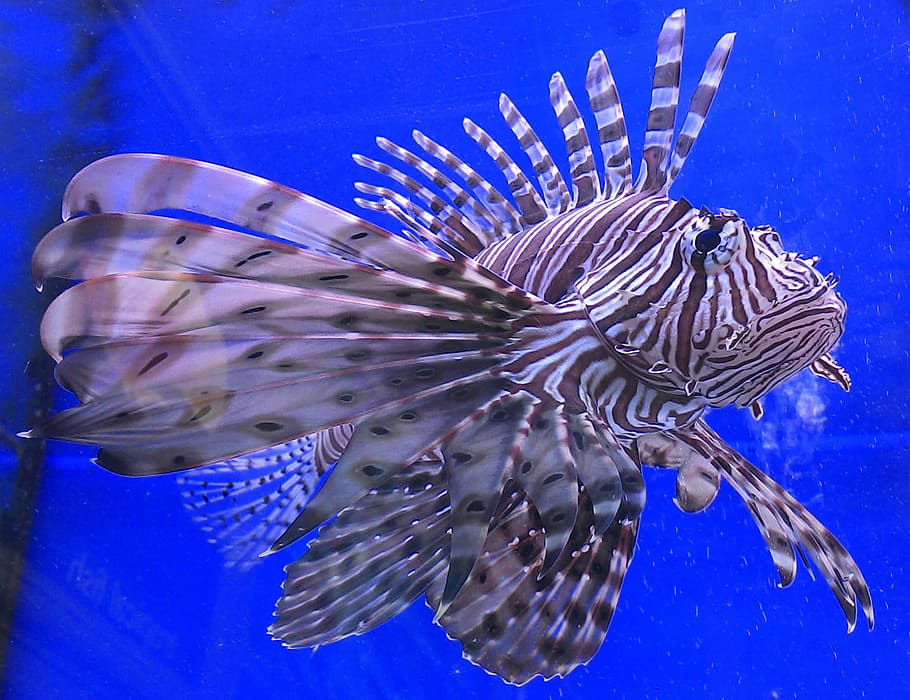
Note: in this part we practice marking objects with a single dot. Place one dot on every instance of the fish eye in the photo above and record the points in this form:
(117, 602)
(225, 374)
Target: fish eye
(710, 249)
(706, 241)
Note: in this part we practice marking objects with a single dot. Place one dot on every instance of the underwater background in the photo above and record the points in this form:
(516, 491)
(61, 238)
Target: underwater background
(109, 587)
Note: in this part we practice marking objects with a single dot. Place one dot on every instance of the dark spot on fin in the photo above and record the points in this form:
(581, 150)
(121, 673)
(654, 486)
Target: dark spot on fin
(170, 307)
(372, 471)
(156, 360)
(332, 278)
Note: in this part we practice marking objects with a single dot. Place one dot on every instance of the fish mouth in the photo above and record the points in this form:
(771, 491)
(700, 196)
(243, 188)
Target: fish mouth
(794, 335)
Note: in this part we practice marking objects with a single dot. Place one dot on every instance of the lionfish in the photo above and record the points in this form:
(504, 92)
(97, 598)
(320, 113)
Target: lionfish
(463, 408)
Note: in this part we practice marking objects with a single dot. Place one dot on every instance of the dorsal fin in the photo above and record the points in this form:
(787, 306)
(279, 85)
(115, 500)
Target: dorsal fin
(459, 226)
(552, 185)
(611, 127)
(473, 221)
(652, 174)
(699, 105)
(585, 181)
(504, 217)
(524, 193)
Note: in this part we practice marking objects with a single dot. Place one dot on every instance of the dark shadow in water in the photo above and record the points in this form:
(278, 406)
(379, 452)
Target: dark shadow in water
(88, 107)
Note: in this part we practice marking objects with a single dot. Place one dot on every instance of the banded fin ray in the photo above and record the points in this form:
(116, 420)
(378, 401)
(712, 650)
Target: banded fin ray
(660, 167)
(188, 360)
(104, 244)
(330, 444)
(245, 503)
(582, 170)
(485, 223)
(552, 185)
(161, 304)
(664, 100)
(524, 194)
(459, 227)
(388, 440)
(479, 457)
(786, 525)
(403, 545)
(142, 183)
(175, 427)
(503, 216)
(629, 469)
(369, 563)
(519, 625)
(699, 106)
(546, 472)
(597, 470)
(611, 127)
(418, 222)
(158, 306)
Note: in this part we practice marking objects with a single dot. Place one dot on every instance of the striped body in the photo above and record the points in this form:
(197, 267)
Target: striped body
(462, 411)
(552, 259)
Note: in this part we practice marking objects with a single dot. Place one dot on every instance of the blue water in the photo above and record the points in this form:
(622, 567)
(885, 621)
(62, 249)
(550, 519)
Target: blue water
(121, 596)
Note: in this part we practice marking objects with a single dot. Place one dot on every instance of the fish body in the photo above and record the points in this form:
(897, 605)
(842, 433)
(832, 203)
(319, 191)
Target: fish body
(463, 410)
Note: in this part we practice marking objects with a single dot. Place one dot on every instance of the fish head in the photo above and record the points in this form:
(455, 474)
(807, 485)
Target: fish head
(766, 314)
(723, 313)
